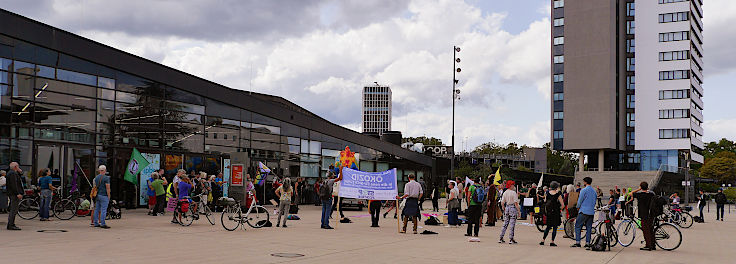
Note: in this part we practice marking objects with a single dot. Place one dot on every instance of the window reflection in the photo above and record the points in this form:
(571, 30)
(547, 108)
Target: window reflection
(76, 77)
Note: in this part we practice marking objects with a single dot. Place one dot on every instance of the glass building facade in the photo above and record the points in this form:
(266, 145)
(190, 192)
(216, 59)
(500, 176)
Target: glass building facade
(61, 109)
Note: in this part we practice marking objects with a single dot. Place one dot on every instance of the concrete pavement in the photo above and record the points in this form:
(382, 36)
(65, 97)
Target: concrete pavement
(138, 238)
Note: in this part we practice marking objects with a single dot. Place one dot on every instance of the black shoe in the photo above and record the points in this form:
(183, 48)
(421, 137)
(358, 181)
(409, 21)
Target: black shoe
(552, 244)
(646, 249)
(105, 227)
(587, 246)
(13, 228)
(467, 234)
(277, 225)
(500, 241)
(512, 241)
(541, 243)
(327, 227)
(576, 245)
(284, 226)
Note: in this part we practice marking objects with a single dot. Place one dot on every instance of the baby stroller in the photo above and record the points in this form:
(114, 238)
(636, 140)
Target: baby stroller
(113, 210)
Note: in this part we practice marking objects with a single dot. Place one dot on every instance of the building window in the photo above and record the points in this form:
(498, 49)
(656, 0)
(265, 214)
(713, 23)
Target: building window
(674, 133)
(558, 3)
(674, 17)
(630, 119)
(630, 101)
(674, 36)
(558, 134)
(674, 113)
(630, 26)
(630, 139)
(674, 94)
(630, 9)
(559, 40)
(630, 45)
(674, 75)
(674, 55)
(559, 59)
(671, 1)
(631, 82)
(558, 115)
(559, 22)
(558, 77)
(630, 64)
(558, 96)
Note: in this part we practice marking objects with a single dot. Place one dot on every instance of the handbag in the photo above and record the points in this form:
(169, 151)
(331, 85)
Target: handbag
(93, 193)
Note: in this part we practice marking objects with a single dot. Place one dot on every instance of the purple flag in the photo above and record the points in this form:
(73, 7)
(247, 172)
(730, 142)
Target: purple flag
(74, 176)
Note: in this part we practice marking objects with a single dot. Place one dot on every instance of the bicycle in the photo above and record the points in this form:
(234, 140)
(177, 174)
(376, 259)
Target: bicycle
(667, 236)
(29, 207)
(201, 208)
(679, 217)
(232, 215)
(67, 208)
(540, 220)
(569, 227)
(183, 213)
(606, 227)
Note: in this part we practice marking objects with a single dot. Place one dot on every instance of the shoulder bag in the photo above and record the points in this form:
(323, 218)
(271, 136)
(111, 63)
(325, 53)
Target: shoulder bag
(93, 193)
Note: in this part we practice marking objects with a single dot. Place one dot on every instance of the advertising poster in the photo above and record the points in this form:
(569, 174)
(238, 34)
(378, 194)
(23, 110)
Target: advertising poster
(173, 163)
(225, 175)
(368, 185)
(237, 174)
(154, 163)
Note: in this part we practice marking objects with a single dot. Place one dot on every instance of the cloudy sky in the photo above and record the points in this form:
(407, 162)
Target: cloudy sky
(319, 53)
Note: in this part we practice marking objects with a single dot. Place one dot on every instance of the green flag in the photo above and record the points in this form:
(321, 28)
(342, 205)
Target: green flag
(135, 165)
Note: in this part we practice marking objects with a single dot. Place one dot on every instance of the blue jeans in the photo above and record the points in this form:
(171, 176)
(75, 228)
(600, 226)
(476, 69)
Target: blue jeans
(326, 210)
(45, 203)
(581, 220)
(719, 211)
(100, 210)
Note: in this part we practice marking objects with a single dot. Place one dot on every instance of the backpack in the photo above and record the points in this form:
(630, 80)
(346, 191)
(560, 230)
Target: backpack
(324, 191)
(656, 205)
(720, 198)
(600, 243)
(479, 195)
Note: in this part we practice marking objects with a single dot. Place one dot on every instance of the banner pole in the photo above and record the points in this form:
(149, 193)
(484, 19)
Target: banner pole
(398, 219)
(338, 213)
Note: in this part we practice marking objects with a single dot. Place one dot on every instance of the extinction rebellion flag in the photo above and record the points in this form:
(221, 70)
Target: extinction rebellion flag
(135, 165)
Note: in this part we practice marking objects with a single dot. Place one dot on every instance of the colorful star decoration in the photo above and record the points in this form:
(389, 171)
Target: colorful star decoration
(347, 158)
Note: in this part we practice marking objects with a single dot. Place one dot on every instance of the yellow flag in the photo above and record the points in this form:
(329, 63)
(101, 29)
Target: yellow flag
(497, 179)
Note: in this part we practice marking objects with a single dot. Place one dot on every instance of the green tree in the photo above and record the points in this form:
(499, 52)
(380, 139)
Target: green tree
(713, 148)
(719, 168)
(560, 162)
(497, 149)
(432, 141)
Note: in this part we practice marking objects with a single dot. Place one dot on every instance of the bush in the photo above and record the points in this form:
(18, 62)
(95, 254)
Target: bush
(730, 193)
(708, 187)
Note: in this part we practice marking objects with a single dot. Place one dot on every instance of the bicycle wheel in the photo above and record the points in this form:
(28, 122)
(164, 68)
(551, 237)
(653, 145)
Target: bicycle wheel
(626, 233)
(667, 236)
(208, 213)
(231, 218)
(65, 209)
(540, 224)
(187, 218)
(257, 217)
(570, 228)
(686, 220)
(28, 208)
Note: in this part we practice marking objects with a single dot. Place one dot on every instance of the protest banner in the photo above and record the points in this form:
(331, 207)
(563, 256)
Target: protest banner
(368, 185)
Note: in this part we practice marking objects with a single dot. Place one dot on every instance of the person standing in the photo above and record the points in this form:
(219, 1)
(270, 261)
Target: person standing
(44, 182)
(702, 202)
(474, 208)
(720, 204)
(586, 207)
(413, 193)
(181, 173)
(158, 188)
(644, 198)
(453, 205)
(553, 207)
(102, 182)
(284, 192)
(325, 195)
(492, 203)
(3, 193)
(151, 194)
(14, 188)
(510, 205)
(435, 199)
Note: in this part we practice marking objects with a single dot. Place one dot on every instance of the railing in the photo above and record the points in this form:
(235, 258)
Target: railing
(660, 172)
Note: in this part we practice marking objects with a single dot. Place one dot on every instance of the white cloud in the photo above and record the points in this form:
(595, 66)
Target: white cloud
(718, 129)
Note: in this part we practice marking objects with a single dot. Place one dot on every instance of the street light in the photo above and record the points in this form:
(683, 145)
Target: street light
(687, 176)
(455, 96)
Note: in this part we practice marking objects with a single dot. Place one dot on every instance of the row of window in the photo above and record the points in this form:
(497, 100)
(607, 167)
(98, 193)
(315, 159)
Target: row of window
(674, 17)
(558, 134)
(671, 1)
(630, 45)
(630, 9)
(558, 115)
(558, 96)
(630, 27)
(631, 82)
(630, 119)
(674, 113)
(674, 75)
(631, 141)
(674, 55)
(558, 77)
(630, 101)
(674, 133)
(558, 22)
(559, 59)
(558, 3)
(674, 94)
(558, 40)
(674, 36)
(631, 64)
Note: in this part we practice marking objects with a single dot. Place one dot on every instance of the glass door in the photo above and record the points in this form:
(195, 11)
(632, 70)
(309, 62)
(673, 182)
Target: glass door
(79, 169)
(48, 156)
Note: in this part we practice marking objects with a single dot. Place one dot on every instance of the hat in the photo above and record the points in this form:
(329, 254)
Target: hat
(509, 184)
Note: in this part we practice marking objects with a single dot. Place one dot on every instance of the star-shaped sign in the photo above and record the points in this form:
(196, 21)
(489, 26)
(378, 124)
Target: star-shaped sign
(347, 157)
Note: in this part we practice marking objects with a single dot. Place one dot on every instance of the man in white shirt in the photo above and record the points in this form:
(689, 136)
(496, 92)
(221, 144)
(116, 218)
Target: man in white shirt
(413, 192)
(511, 210)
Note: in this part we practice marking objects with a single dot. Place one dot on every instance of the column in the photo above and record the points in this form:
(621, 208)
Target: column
(581, 161)
(600, 159)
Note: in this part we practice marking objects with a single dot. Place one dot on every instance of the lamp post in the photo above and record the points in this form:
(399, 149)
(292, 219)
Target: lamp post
(455, 96)
(687, 177)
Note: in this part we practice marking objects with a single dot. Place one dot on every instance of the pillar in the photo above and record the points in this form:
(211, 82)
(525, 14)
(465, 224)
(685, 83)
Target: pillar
(581, 161)
(601, 161)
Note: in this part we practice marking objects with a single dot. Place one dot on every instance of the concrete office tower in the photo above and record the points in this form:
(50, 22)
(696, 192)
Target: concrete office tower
(376, 109)
(626, 82)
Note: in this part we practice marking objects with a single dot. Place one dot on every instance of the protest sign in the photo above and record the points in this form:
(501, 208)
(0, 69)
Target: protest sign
(368, 185)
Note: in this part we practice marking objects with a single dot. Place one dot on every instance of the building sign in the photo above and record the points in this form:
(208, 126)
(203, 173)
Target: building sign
(368, 185)
(237, 174)
(437, 150)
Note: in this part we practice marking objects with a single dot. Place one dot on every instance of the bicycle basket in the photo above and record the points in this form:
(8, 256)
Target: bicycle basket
(226, 201)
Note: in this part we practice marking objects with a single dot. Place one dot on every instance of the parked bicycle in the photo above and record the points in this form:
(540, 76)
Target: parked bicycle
(678, 216)
(232, 215)
(183, 213)
(605, 226)
(201, 208)
(29, 206)
(667, 236)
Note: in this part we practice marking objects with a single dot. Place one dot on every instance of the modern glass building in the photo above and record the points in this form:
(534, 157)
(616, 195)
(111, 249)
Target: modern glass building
(70, 104)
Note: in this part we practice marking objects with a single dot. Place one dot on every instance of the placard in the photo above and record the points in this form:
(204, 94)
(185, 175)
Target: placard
(368, 185)
(237, 174)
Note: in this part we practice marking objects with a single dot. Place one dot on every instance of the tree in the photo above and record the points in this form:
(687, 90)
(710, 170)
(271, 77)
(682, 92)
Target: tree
(494, 148)
(432, 141)
(560, 162)
(713, 148)
(719, 168)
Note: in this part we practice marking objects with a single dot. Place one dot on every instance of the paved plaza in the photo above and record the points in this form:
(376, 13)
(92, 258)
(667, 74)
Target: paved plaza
(139, 238)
